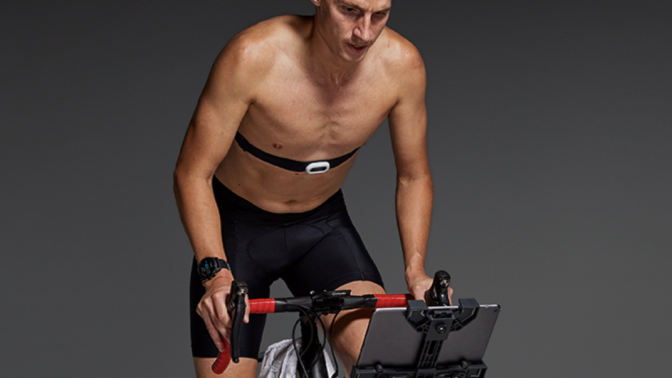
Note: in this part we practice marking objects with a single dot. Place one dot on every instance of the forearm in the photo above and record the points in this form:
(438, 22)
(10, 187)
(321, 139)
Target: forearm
(414, 212)
(200, 217)
(199, 214)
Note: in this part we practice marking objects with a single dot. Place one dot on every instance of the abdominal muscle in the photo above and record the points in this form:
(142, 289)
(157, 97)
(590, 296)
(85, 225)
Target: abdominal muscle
(276, 189)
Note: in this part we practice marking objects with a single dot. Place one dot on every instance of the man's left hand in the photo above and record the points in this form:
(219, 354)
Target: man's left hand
(419, 283)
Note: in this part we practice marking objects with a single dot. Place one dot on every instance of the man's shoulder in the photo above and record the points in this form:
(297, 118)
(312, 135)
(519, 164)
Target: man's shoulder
(249, 57)
(398, 55)
(262, 42)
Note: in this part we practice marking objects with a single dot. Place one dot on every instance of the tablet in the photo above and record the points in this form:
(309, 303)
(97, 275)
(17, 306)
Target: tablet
(392, 342)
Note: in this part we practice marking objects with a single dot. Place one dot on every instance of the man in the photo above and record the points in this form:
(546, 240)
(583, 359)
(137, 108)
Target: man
(287, 105)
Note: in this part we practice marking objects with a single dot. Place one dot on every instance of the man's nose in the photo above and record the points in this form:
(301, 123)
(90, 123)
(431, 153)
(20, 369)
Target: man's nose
(363, 29)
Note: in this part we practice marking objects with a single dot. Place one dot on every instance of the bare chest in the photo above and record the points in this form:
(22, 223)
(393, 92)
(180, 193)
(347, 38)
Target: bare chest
(293, 111)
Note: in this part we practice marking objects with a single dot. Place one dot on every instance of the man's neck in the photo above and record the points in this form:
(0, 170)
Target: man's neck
(326, 65)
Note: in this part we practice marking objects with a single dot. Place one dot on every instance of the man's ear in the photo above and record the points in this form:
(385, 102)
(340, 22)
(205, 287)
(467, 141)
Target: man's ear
(316, 2)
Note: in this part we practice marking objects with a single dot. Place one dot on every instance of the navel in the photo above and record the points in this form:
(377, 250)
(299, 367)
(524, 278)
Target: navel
(277, 146)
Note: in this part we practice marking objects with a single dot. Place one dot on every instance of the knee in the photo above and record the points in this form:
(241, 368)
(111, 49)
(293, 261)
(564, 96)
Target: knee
(347, 335)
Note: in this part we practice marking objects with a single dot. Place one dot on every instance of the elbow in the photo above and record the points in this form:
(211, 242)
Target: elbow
(176, 186)
(178, 179)
(186, 179)
(418, 179)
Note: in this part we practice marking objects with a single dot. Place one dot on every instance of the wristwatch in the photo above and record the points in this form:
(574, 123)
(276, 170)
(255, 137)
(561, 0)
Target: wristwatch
(209, 266)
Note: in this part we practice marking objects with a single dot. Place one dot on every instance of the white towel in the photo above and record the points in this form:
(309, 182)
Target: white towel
(280, 360)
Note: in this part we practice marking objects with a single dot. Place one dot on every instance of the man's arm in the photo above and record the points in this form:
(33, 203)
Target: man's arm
(221, 107)
(408, 129)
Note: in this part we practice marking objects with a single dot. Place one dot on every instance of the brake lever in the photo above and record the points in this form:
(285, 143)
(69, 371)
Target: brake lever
(235, 305)
(437, 295)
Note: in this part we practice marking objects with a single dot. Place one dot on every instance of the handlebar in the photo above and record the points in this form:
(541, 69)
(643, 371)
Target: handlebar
(329, 302)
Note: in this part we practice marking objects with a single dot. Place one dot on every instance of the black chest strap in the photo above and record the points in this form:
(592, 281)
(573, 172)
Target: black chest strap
(311, 167)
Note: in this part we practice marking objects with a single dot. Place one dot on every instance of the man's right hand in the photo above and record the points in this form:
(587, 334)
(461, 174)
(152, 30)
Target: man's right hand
(212, 308)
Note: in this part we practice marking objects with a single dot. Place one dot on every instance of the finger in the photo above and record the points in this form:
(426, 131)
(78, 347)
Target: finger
(222, 322)
(207, 309)
(214, 334)
(209, 316)
(204, 310)
(247, 310)
(419, 293)
(221, 313)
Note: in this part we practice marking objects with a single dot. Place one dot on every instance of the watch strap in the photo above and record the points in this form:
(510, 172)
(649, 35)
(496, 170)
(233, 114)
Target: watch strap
(223, 264)
(217, 264)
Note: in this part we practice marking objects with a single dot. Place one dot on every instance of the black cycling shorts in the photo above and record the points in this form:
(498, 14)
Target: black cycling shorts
(312, 251)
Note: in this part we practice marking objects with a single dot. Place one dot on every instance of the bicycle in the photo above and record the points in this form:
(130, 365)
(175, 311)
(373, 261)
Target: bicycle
(311, 362)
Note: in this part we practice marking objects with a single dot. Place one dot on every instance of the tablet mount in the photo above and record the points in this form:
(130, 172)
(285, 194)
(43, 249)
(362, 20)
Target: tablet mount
(435, 324)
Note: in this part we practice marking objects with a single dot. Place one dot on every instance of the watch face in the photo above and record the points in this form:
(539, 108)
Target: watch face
(205, 268)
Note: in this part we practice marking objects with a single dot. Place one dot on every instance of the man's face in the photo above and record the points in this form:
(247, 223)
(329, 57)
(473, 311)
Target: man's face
(350, 27)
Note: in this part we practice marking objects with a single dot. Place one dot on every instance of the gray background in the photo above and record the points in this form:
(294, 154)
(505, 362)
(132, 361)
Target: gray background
(549, 143)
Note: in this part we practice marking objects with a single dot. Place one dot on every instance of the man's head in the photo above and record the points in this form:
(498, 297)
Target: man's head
(350, 27)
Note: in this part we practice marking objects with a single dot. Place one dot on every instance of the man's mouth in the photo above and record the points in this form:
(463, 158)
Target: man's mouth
(358, 48)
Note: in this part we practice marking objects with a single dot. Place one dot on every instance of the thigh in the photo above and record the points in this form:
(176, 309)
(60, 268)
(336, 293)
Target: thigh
(245, 368)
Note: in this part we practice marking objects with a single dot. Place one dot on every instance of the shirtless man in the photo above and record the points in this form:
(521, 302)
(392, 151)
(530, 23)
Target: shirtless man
(284, 93)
